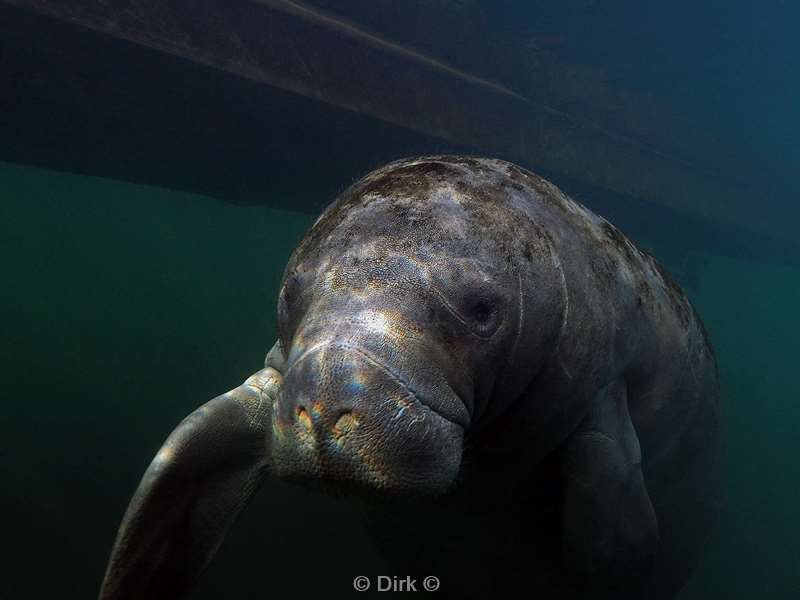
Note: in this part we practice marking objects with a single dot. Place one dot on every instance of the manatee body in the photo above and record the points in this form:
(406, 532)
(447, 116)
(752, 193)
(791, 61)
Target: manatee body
(532, 394)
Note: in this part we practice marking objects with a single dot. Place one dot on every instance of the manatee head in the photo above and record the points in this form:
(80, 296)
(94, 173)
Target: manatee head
(401, 319)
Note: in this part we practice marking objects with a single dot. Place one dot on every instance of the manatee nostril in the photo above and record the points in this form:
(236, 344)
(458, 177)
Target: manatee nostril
(303, 417)
(344, 424)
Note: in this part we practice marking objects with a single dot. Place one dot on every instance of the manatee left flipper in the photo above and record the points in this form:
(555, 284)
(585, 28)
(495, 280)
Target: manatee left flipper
(610, 530)
(197, 484)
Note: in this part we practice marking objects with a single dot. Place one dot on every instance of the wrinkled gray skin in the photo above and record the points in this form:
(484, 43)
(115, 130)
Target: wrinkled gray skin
(533, 391)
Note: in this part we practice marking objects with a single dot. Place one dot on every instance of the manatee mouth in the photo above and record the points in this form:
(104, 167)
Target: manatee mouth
(451, 414)
(348, 419)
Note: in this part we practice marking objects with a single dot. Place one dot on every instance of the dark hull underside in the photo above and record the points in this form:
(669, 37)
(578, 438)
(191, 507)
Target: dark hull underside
(279, 103)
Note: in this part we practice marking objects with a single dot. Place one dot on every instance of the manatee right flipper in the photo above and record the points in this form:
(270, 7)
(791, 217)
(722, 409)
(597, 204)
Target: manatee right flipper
(197, 484)
(610, 529)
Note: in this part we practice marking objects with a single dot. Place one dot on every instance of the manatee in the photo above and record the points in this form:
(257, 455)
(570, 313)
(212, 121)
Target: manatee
(524, 398)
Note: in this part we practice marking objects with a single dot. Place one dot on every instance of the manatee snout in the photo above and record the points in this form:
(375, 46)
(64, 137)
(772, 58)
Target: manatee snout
(348, 418)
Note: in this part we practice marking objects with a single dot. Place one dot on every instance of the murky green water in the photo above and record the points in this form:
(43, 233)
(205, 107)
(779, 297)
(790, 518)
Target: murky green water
(124, 307)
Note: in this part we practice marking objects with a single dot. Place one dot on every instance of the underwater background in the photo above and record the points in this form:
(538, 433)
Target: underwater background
(127, 306)
(124, 306)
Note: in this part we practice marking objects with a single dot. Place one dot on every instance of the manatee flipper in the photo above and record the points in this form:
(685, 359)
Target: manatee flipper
(197, 484)
(610, 529)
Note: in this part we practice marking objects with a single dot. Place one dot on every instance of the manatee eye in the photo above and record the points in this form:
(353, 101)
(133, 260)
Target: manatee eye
(481, 311)
(484, 314)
